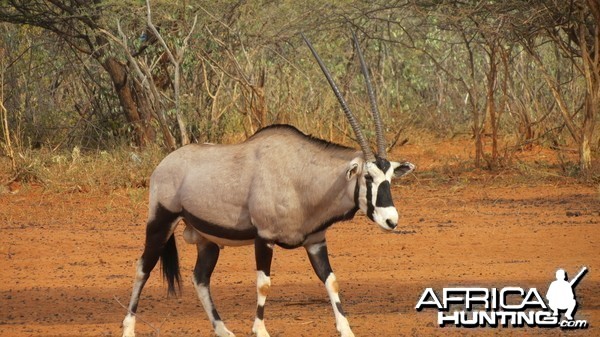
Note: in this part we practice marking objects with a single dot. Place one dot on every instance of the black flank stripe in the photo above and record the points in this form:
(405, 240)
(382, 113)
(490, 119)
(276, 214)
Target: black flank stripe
(218, 231)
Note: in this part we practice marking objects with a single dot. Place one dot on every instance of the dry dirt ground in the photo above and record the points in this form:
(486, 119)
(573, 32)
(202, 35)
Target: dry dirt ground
(68, 259)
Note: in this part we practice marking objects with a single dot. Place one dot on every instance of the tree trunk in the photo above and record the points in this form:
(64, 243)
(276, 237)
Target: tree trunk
(258, 101)
(143, 131)
(585, 154)
(148, 102)
(591, 69)
(587, 130)
(478, 119)
(491, 105)
(185, 138)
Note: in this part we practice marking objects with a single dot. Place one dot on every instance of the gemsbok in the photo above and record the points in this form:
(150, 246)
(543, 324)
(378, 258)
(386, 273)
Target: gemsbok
(279, 187)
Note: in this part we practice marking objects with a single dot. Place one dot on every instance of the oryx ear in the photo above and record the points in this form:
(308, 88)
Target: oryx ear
(401, 169)
(354, 168)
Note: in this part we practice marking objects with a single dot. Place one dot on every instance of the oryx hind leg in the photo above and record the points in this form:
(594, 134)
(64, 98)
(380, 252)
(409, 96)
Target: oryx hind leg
(264, 254)
(208, 254)
(319, 259)
(159, 242)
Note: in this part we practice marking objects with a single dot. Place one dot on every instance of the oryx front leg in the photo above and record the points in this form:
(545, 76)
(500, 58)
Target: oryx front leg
(317, 253)
(264, 254)
(208, 254)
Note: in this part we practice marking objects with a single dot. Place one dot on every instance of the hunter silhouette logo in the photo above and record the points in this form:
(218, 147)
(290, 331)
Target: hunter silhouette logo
(561, 294)
(472, 307)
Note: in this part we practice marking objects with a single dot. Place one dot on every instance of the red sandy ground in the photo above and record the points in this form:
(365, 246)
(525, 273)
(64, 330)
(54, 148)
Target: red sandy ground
(68, 258)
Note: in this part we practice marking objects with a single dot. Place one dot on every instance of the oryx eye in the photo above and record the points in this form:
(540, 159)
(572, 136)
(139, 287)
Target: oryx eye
(368, 177)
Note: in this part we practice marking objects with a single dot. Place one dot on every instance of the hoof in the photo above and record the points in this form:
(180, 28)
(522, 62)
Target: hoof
(129, 326)
(261, 333)
(222, 331)
(259, 329)
(346, 332)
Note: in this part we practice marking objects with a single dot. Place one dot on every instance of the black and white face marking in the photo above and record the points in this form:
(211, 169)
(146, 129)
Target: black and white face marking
(376, 194)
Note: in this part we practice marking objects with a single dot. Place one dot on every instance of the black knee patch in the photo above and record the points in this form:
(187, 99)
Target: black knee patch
(260, 312)
(338, 305)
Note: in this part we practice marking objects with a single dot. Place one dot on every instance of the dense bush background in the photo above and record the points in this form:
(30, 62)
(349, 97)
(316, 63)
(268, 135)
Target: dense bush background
(94, 77)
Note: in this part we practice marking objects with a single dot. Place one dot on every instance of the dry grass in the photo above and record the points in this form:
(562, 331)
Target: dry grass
(439, 162)
(79, 171)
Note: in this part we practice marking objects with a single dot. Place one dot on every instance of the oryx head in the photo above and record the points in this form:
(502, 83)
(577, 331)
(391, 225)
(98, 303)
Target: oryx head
(372, 173)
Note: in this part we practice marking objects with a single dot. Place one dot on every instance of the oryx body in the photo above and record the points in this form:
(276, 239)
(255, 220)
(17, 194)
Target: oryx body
(279, 187)
(232, 194)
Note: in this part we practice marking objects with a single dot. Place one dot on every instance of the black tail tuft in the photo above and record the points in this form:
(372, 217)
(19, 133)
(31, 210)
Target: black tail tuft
(170, 266)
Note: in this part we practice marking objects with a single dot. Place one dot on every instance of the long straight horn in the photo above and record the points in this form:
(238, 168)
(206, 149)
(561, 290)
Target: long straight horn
(351, 118)
(381, 146)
